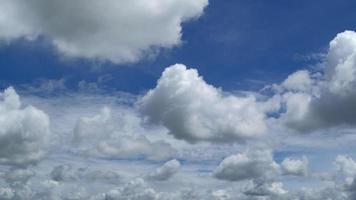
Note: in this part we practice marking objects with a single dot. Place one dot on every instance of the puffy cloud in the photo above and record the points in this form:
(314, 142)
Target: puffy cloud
(298, 81)
(273, 190)
(25, 131)
(295, 167)
(253, 164)
(220, 195)
(135, 190)
(119, 31)
(346, 165)
(62, 173)
(166, 171)
(98, 136)
(92, 129)
(195, 111)
(341, 63)
(317, 102)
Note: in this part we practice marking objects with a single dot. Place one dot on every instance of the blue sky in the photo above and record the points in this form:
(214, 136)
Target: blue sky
(178, 99)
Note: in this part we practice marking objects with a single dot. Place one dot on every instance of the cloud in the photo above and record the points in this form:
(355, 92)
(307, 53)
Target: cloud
(166, 171)
(99, 136)
(273, 190)
(194, 111)
(135, 190)
(6, 193)
(252, 164)
(118, 31)
(346, 165)
(298, 81)
(18, 176)
(62, 173)
(295, 167)
(25, 131)
(317, 101)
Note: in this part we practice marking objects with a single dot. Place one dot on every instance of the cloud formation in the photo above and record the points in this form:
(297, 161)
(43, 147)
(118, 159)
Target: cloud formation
(164, 172)
(295, 167)
(25, 131)
(194, 111)
(103, 136)
(252, 164)
(317, 101)
(118, 31)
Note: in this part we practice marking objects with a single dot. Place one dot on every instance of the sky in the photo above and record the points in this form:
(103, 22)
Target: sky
(178, 99)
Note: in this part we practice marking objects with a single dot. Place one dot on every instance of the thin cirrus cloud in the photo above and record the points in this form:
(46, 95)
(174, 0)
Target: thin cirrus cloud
(117, 31)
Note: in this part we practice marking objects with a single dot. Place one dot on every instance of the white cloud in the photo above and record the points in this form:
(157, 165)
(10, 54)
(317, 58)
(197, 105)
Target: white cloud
(253, 164)
(100, 136)
(134, 190)
(166, 171)
(273, 190)
(25, 131)
(119, 31)
(346, 165)
(295, 167)
(326, 101)
(220, 195)
(298, 81)
(196, 111)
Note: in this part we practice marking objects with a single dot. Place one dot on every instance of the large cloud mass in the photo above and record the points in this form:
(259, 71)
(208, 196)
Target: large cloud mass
(196, 111)
(119, 31)
(314, 101)
(24, 132)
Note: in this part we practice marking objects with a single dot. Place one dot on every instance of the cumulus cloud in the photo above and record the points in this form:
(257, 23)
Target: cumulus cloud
(315, 101)
(62, 173)
(119, 31)
(295, 167)
(25, 131)
(272, 190)
(298, 81)
(135, 190)
(252, 164)
(166, 171)
(346, 165)
(194, 111)
(98, 136)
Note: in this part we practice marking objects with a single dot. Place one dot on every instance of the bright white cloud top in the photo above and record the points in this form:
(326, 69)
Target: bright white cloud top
(196, 111)
(253, 164)
(327, 100)
(119, 31)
